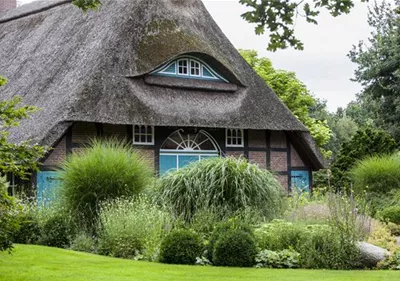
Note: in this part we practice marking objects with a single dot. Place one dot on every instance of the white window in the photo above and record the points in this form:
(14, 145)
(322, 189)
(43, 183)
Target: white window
(183, 67)
(143, 135)
(194, 68)
(234, 137)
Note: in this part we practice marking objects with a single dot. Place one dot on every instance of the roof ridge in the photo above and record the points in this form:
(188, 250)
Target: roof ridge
(33, 11)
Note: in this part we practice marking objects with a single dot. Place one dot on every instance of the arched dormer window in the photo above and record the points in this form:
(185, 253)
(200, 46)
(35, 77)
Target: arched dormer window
(189, 67)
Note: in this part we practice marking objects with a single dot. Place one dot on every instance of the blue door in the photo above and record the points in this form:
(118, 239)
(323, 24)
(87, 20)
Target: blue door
(300, 181)
(47, 185)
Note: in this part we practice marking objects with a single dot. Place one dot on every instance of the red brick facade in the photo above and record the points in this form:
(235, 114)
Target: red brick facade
(267, 149)
(7, 4)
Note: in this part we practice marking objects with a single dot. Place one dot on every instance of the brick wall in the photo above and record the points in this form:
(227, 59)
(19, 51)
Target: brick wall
(258, 157)
(7, 4)
(283, 180)
(119, 131)
(256, 138)
(279, 161)
(58, 154)
(296, 160)
(148, 155)
(278, 140)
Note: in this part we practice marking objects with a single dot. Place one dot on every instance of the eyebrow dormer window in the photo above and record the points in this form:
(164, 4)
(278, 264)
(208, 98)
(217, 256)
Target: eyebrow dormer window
(189, 67)
(183, 67)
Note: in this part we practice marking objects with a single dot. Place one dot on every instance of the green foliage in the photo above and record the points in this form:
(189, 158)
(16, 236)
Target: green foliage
(86, 5)
(390, 214)
(56, 232)
(181, 247)
(84, 243)
(293, 93)
(8, 217)
(320, 246)
(130, 227)
(378, 64)
(231, 183)
(391, 262)
(366, 142)
(104, 171)
(221, 229)
(279, 17)
(20, 159)
(376, 176)
(29, 231)
(279, 259)
(235, 248)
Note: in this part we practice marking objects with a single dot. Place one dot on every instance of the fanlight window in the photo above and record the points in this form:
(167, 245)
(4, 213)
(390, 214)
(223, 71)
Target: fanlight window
(234, 138)
(189, 67)
(143, 135)
(200, 141)
(181, 149)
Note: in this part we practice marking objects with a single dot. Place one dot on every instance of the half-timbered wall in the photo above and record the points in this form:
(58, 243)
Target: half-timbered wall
(269, 149)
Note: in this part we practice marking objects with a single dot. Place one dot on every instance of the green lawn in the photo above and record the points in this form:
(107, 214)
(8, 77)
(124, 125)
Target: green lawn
(42, 263)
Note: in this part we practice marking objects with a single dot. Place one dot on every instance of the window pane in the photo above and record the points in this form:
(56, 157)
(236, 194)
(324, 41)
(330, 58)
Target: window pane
(137, 138)
(143, 138)
(234, 133)
(149, 139)
(142, 130)
(136, 129)
(228, 141)
(239, 141)
(239, 133)
(233, 141)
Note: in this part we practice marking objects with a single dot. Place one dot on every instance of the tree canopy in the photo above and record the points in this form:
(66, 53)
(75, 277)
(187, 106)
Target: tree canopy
(293, 93)
(378, 63)
(18, 158)
(278, 17)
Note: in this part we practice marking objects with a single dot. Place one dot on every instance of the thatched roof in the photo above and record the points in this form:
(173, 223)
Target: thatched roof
(92, 67)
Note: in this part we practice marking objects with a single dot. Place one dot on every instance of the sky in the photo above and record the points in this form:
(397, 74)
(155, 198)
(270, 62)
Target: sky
(323, 65)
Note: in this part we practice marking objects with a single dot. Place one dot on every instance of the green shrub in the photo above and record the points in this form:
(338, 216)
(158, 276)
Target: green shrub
(181, 247)
(84, 243)
(231, 183)
(128, 227)
(221, 229)
(235, 248)
(376, 175)
(56, 232)
(8, 217)
(391, 262)
(280, 259)
(320, 246)
(391, 214)
(104, 171)
(29, 231)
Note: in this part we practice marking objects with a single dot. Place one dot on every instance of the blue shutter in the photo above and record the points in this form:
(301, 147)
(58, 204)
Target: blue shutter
(300, 181)
(47, 186)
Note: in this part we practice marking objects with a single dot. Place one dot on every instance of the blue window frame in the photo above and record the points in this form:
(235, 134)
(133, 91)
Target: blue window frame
(189, 67)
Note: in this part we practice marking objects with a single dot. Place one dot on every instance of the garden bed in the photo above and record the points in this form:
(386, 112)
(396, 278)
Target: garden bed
(31, 263)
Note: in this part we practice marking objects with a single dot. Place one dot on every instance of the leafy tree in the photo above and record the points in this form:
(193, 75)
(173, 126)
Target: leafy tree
(20, 158)
(8, 218)
(276, 16)
(294, 94)
(366, 142)
(378, 66)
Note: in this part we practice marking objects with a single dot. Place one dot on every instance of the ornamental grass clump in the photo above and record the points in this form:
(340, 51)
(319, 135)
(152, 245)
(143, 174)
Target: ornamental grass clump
(103, 171)
(229, 183)
(128, 228)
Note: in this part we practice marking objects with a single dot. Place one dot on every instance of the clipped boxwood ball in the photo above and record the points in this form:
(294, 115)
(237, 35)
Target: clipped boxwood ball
(235, 248)
(181, 247)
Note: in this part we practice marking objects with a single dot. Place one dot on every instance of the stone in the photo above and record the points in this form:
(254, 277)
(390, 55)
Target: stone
(371, 254)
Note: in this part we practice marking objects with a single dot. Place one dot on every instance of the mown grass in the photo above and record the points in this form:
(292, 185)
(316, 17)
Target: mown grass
(28, 263)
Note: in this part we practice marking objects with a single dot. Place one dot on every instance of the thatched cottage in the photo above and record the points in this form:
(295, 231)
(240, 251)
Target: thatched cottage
(159, 73)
